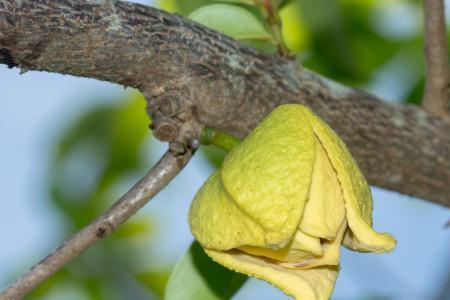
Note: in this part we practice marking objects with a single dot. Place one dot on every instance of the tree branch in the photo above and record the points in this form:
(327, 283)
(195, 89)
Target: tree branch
(155, 180)
(219, 83)
(436, 97)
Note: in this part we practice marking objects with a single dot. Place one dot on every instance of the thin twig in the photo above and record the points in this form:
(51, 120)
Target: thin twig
(155, 180)
(436, 96)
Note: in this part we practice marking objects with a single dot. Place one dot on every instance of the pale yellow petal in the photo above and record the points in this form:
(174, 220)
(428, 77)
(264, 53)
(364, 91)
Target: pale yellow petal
(301, 247)
(330, 257)
(305, 242)
(310, 284)
(216, 221)
(268, 175)
(324, 210)
(357, 196)
(286, 254)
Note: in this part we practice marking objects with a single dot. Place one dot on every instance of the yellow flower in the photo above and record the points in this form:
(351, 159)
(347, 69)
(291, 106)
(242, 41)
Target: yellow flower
(283, 202)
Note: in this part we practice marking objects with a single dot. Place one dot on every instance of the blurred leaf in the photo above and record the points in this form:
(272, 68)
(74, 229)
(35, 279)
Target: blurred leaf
(293, 27)
(186, 7)
(128, 131)
(248, 2)
(97, 151)
(197, 277)
(182, 7)
(344, 44)
(45, 287)
(93, 287)
(101, 150)
(133, 228)
(285, 2)
(232, 20)
(416, 94)
(155, 281)
(330, 46)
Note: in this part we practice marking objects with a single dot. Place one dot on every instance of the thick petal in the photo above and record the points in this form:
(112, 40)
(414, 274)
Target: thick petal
(217, 222)
(357, 196)
(282, 255)
(301, 247)
(330, 257)
(324, 210)
(305, 242)
(268, 175)
(310, 284)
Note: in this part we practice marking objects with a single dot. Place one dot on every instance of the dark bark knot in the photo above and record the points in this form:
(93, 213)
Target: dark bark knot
(104, 230)
(165, 129)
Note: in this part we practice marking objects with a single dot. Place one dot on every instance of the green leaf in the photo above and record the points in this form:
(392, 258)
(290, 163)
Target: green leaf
(197, 277)
(283, 3)
(275, 3)
(94, 154)
(155, 281)
(232, 20)
(182, 7)
(248, 2)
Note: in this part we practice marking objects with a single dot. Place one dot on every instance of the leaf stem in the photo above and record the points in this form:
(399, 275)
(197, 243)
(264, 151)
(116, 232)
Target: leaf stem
(223, 140)
(269, 10)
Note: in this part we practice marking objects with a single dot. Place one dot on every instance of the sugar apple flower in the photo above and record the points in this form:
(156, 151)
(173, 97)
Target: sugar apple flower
(283, 202)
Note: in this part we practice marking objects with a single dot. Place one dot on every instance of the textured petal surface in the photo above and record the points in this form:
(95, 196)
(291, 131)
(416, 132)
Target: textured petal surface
(217, 222)
(357, 196)
(324, 210)
(269, 173)
(310, 284)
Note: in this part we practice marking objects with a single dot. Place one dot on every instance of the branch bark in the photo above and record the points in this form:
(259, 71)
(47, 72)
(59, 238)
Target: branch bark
(436, 97)
(154, 181)
(217, 82)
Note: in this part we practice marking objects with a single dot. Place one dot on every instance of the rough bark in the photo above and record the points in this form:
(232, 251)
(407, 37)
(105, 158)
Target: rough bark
(193, 75)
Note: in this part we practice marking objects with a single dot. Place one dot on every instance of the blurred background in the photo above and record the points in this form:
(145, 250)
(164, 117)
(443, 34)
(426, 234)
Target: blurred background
(71, 146)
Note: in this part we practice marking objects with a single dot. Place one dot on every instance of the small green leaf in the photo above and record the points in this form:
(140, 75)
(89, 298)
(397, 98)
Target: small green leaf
(232, 20)
(182, 7)
(197, 277)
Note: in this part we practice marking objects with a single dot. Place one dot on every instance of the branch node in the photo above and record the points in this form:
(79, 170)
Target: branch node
(104, 229)
(165, 129)
(177, 148)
